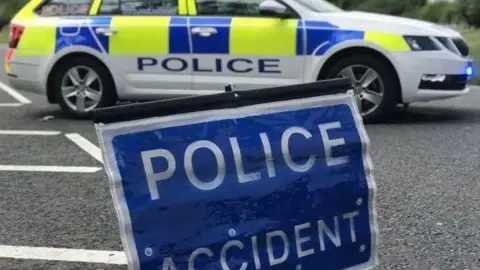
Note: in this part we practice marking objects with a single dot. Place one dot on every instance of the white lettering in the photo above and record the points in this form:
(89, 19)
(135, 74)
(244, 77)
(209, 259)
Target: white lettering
(193, 256)
(268, 154)
(329, 144)
(256, 258)
(168, 264)
(242, 177)
(274, 243)
(152, 177)
(300, 240)
(189, 165)
(242, 174)
(286, 247)
(350, 216)
(223, 254)
(286, 151)
(322, 227)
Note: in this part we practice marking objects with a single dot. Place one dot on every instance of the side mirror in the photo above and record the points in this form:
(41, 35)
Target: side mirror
(273, 8)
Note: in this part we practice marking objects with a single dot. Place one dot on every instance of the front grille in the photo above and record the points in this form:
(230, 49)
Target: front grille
(446, 42)
(461, 46)
(451, 82)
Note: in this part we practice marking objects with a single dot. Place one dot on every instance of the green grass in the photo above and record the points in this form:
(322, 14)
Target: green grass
(3, 36)
(473, 39)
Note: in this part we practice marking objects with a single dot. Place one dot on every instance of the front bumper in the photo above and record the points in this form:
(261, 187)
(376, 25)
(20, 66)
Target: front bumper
(426, 76)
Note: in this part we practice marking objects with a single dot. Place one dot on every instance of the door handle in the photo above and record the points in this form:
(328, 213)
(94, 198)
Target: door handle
(203, 31)
(106, 31)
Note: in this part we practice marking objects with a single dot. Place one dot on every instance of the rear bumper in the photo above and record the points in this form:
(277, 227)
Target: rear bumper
(26, 75)
(25, 84)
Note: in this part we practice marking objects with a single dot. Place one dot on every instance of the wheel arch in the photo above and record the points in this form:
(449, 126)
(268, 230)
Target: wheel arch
(65, 58)
(349, 51)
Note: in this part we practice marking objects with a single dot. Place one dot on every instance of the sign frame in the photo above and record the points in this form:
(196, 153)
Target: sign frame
(122, 125)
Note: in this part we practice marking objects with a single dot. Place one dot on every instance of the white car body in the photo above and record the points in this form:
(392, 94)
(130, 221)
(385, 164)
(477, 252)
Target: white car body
(29, 70)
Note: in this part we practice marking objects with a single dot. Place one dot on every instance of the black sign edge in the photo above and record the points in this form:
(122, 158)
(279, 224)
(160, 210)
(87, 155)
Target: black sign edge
(234, 99)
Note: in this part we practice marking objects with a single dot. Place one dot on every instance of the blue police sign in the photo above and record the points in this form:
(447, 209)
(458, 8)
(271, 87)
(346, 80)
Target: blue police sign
(280, 185)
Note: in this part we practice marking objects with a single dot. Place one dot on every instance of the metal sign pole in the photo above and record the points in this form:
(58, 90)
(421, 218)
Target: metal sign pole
(358, 100)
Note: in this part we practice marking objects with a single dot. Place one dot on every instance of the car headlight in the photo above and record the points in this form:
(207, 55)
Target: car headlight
(421, 43)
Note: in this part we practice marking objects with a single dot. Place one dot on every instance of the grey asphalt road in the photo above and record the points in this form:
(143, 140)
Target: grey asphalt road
(426, 168)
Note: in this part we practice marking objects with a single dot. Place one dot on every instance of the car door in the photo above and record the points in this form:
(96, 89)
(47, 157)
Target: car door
(233, 43)
(148, 46)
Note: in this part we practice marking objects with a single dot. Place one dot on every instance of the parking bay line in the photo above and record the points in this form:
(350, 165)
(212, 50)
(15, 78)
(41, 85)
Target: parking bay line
(11, 104)
(13, 93)
(63, 254)
(37, 168)
(86, 145)
(30, 132)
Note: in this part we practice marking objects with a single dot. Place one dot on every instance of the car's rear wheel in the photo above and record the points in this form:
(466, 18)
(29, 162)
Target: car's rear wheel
(374, 83)
(81, 85)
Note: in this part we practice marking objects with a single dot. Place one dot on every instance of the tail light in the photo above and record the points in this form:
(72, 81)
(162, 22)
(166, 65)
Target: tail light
(14, 36)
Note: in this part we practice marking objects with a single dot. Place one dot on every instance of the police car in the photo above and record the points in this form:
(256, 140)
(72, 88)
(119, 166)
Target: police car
(86, 54)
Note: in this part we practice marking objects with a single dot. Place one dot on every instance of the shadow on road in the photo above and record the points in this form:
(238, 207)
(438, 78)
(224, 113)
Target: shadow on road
(412, 115)
(426, 115)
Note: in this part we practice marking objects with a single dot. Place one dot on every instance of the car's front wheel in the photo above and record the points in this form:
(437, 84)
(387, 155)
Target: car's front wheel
(374, 83)
(81, 85)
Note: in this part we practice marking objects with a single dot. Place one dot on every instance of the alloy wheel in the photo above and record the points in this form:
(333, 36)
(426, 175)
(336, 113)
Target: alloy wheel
(81, 89)
(367, 85)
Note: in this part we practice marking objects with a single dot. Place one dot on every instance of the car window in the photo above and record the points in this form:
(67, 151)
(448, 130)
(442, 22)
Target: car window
(138, 7)
(64, 7)
(228, 7)
(320, 6)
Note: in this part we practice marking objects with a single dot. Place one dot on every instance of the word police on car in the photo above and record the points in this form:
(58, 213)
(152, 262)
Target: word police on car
(237, 65)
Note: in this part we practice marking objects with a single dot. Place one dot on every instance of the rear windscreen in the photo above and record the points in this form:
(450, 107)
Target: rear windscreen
(64, 7)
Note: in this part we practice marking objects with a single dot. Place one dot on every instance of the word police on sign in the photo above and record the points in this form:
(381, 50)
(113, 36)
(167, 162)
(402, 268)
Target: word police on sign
(277, 185)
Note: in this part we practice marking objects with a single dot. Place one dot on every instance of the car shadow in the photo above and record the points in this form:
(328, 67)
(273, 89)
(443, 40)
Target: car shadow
(426, 115)
(412, 115)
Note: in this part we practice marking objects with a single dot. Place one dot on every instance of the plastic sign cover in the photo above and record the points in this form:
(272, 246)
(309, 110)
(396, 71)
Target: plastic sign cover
(281, 185)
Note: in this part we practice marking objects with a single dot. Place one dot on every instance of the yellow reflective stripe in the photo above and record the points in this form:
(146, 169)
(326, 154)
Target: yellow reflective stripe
(141, 35)
(39, 39)
(27, 11)
(192, 7)
(7, 68)
(182, 7)
(94, 7)
(392, 42)
(263, 36)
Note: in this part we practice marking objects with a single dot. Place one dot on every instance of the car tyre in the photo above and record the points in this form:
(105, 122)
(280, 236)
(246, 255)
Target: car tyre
(106, 96)
(387, 78)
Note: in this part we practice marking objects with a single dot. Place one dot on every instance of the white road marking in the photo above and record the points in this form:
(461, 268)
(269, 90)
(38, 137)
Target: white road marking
(30, 132)
(86, 145)
(11, 104)
(37, 168)
(16, 95)
(63, 254)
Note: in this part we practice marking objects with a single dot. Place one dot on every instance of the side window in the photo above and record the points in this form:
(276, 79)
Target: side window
(64, 8)
(247, 8)
(138, 7)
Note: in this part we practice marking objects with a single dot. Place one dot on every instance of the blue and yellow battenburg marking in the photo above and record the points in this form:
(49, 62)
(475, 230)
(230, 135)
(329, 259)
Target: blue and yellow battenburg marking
(82, 32)
(158, 35)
